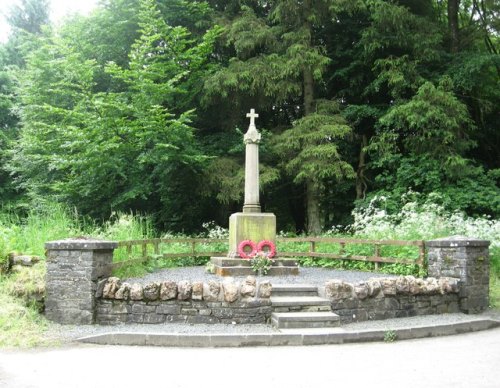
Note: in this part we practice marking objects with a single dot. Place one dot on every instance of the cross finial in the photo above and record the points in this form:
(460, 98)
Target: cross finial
(252, 115)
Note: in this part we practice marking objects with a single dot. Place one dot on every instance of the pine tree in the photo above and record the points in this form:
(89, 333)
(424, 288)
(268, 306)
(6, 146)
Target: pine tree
(279, 62)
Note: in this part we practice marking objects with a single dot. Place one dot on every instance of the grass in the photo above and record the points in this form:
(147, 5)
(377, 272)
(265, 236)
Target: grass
(21, 324)
(495, 291)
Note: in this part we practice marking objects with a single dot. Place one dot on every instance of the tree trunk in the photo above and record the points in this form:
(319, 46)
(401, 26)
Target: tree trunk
(360, 173)
(314, 224)
(308, 92)
(453, 7)
(313, 211)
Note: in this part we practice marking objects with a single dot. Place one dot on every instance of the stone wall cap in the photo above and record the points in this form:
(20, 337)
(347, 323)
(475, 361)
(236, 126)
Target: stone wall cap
(457, 241)
(81, 243)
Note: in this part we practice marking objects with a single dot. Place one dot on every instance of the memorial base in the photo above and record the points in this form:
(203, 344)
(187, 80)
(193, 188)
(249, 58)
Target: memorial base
(250, 226)
(224, 266)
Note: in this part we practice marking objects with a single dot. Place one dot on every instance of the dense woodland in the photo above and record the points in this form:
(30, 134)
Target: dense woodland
(141, 107)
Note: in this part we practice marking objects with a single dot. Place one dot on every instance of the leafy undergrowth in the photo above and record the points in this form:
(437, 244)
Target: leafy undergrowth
(495, 292)
(21, 293)
(21, 326)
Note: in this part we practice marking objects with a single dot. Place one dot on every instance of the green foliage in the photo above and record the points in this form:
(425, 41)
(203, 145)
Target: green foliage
(310, 148)
(433, 123)
(390, 336)
(29, 15)
(135, 108)
(20, 325)
(400, 44)
(414, 219)
(131, 141)
(473, 191)
(261, 263)
(46, 222)
(495, 290)
(28, 284)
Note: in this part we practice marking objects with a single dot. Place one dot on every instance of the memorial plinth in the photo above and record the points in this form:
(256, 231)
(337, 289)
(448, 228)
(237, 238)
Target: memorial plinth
(251, 224)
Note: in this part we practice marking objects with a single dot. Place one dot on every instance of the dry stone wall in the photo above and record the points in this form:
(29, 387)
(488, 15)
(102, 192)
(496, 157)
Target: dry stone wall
(393, 298)
(79, 289)
(190, 302)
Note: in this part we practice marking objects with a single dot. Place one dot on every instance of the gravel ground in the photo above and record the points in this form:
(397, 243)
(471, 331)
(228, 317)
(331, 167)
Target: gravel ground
(307, 275)
(65, 333)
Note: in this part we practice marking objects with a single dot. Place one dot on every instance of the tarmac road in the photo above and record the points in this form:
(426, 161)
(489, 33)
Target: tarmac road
(467, 360)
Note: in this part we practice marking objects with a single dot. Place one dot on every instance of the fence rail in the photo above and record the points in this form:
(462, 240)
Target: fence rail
(314, 243)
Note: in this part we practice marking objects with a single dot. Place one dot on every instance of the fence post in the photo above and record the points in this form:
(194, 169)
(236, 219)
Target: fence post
(377, 254)
(312, 249)
(74, 267)
(467, 259)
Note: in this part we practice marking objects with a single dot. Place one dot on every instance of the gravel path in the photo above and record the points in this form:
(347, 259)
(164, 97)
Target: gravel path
(307, 275)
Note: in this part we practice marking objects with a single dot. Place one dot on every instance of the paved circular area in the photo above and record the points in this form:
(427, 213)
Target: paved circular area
(307, 275)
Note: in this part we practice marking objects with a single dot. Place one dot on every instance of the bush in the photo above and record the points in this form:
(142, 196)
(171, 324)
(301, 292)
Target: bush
(425, 221)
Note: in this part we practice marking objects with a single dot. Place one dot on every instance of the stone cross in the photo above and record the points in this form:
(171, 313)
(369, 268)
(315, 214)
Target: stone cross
(252, 115)
(251, 140)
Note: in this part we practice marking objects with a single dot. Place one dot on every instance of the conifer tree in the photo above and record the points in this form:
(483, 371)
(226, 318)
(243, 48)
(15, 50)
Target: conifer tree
(279, 61)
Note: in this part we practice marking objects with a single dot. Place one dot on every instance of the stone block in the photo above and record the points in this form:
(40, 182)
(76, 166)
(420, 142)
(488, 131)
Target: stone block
(168, 309)
(151, 291)
(197, 293)
(211, 291)
(112, 285)
(361, 290)
(247, 290)
(123, 292)
(153, 318)
(136, 292)
(265, 290)
(230, 290)
(168, 290)
(184, 289)
(250, 226)
(388, 286)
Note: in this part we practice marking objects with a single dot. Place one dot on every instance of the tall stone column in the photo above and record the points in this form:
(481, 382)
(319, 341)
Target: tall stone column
(74, 267)
(252, 140)
(251, 224)
(467, 259)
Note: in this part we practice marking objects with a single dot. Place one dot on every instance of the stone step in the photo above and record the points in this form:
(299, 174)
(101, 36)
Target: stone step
(294, 290)
(298, 320)
(281, 301)
(282, 304)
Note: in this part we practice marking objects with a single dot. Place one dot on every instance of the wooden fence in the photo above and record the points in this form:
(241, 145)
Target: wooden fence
(152, 248)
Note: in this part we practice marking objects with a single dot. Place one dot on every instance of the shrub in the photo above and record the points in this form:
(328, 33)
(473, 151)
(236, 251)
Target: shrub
(425, 222)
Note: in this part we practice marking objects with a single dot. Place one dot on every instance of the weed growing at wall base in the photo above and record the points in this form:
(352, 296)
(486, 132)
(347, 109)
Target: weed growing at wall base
(390, 336)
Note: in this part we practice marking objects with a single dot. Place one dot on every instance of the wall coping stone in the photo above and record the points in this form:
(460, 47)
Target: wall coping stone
(81, 243)
(456, 242)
